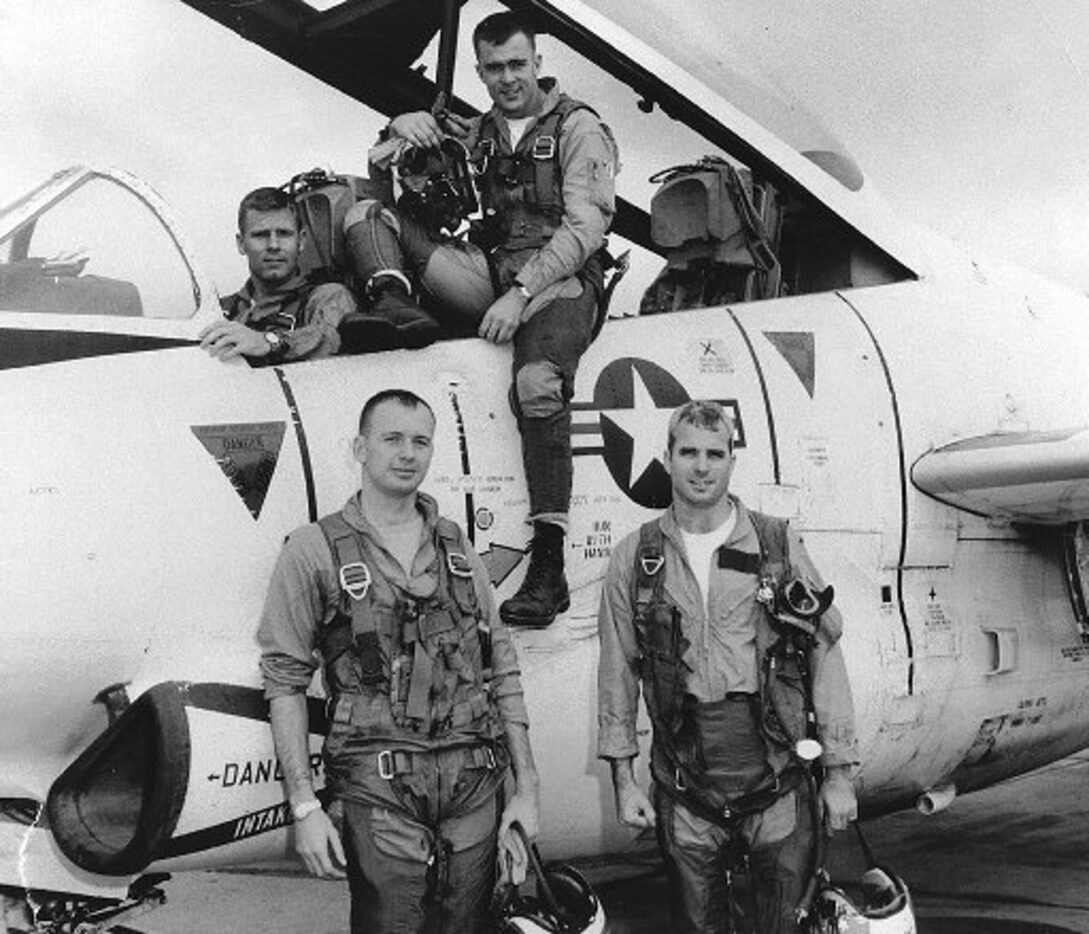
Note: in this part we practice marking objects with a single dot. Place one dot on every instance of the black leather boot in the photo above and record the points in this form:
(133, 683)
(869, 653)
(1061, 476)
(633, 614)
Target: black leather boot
(544, 591)
(392, 319)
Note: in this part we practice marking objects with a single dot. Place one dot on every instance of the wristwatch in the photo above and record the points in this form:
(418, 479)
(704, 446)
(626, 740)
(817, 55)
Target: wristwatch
(276, 345)
(522, 290)
(304, 809)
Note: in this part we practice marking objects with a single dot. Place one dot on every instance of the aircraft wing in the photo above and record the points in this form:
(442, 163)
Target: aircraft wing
(1029, 476)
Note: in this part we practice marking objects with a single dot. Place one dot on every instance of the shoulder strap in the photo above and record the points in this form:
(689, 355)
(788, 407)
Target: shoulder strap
(648, 581)
(355, 583)
(455, 571)
(545, 148)
(772, 533)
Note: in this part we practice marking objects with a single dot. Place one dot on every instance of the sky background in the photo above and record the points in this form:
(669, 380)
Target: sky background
(970, 117)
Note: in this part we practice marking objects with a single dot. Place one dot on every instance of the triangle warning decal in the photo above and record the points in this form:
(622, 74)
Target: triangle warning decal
(799, 350)
(247, 454)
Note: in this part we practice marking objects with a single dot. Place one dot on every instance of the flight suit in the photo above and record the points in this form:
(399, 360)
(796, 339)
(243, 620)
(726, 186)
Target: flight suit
(544, 235)
(304, 315)
(420, 799)
(721, 644)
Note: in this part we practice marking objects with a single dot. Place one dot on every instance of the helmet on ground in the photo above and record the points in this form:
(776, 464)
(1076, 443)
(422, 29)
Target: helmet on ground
(564, 903)
(879, 903)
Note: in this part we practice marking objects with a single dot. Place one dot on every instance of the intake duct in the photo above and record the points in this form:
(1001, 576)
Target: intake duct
(165, 781)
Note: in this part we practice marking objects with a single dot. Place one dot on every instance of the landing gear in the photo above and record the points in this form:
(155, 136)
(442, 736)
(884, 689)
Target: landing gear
(33, 912)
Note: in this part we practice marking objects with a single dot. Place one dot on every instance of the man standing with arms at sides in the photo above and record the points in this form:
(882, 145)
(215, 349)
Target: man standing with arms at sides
(686, 614)
(277, 316)
(532, 273)
(425, 698)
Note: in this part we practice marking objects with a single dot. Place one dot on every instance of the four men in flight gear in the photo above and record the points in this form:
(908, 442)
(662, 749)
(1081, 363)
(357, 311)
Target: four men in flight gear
(277, 316)
(686, 614)
(425, 700)
(532, 273)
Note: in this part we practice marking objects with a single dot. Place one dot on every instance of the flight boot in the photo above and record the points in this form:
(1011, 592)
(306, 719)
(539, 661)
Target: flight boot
(544, 591)
(392, 319)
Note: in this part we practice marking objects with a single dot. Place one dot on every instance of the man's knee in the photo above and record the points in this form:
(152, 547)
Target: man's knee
(371, 212)
(539, 389)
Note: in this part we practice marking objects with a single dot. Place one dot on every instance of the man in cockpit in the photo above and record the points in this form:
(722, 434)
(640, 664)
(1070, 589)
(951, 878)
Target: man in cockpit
(532, 272)
(277, 316)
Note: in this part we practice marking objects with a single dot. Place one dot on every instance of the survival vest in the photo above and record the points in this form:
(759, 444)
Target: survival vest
(521, 194)
(783, 655)
(401, 667)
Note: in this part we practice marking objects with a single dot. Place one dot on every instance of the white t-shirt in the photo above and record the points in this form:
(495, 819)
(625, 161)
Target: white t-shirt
(517, 129)
(701, 548)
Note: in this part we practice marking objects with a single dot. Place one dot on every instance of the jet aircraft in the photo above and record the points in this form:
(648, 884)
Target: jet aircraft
(917, 412)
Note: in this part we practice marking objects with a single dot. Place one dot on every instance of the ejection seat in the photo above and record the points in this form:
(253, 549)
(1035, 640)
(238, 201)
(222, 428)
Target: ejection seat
(718, 231)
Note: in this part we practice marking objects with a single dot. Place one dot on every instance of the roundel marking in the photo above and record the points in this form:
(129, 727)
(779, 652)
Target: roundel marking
(635, 399)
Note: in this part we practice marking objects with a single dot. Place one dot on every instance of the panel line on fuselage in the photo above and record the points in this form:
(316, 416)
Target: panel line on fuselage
(304, 448)
(773, 441)
(909, 642)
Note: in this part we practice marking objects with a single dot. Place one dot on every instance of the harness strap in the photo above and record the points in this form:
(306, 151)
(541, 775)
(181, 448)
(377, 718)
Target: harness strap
(649, 562)
(455, 570)
(538, 154)
(393, 763)
(355, 581)
(703, 802)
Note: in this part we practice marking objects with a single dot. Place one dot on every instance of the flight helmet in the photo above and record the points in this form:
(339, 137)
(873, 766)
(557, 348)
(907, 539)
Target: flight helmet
(879, 903)
(564, 903)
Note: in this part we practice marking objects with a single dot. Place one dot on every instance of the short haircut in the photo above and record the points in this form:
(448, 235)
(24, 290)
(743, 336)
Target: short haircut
(406, 398)
(702, 413)
(501, 27)
(266, 199)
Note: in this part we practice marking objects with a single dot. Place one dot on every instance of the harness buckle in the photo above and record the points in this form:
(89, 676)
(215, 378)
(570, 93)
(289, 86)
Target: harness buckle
(385, 764)
(651, 564)
(355, 579)
(489, 758)
(458, 564)
(478, 164)
(544, 147)
(678, 782)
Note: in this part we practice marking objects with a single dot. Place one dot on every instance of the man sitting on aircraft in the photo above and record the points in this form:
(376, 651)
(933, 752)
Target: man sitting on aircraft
(545, 167)
(277, 316)
(713, 608)
(425, 697)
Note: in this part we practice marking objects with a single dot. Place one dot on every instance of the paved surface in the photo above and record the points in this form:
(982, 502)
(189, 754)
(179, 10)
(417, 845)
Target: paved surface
(1010, 860)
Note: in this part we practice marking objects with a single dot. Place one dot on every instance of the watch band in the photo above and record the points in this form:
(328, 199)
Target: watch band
(304, 809)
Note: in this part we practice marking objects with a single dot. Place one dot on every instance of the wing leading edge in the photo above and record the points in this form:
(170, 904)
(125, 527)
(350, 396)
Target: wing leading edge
(1030, 476)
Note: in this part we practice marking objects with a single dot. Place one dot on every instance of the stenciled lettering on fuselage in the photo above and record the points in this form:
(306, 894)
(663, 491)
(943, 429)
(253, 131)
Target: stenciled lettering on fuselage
(626, 422)
(238, 774)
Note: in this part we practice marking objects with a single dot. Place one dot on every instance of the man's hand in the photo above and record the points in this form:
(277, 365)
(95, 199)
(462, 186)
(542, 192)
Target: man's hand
(839, 800)
(419, 128)
(513, 859)
(318, 844)
(225, 340)
(633, 807)
(501, 320)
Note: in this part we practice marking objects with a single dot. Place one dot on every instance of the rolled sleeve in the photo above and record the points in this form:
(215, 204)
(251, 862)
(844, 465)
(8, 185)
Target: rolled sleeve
(589, 164)
(617, 673)
(294, 608)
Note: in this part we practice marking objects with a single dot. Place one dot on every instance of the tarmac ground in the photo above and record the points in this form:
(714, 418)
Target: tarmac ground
(1013, 859)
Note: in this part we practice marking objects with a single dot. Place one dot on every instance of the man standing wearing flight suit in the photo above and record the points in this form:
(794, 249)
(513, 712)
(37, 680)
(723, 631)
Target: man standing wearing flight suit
(425, 699)
(545, 167)
(684, 613)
